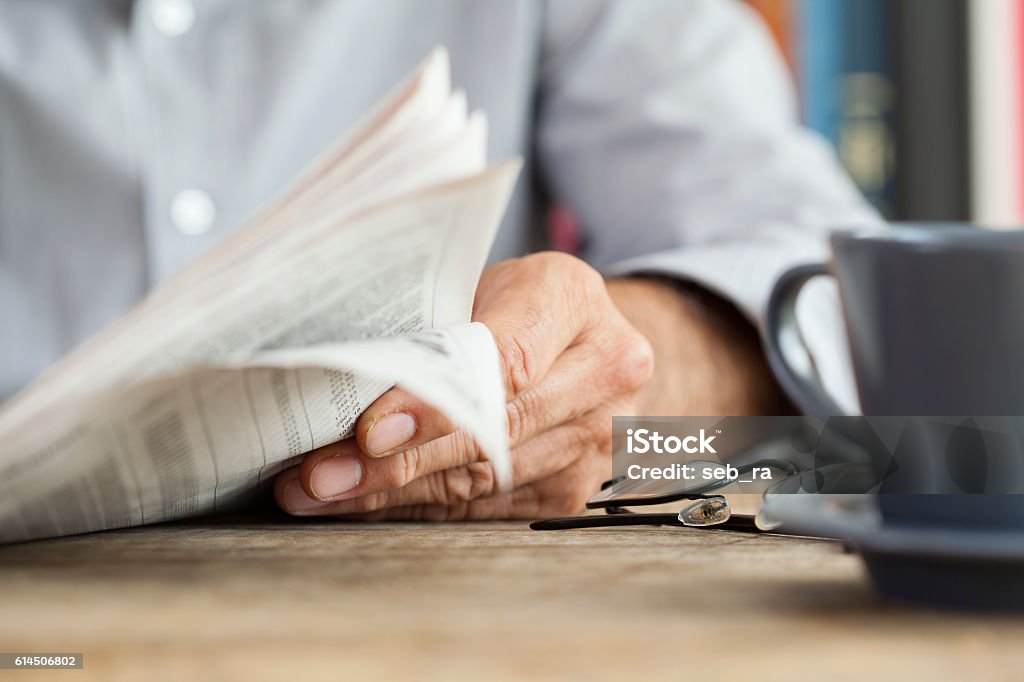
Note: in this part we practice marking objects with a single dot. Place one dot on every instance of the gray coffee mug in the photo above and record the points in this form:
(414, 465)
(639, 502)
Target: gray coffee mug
(935, 322)
(934, 316)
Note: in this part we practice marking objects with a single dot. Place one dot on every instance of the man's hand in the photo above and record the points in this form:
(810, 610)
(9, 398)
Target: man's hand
(571, 362)
(576, 351)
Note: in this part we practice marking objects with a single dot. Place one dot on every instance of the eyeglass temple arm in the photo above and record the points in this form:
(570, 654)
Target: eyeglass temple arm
(738, 522)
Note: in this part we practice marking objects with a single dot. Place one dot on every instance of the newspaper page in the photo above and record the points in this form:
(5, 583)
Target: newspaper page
(209, 439)
(225, 377)
(276, 382)
(314, 209)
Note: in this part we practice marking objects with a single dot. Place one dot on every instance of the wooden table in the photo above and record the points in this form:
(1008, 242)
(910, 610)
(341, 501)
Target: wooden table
(271, 598)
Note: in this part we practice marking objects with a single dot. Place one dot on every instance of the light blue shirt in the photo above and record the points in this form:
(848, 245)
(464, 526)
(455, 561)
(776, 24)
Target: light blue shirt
(135, 135)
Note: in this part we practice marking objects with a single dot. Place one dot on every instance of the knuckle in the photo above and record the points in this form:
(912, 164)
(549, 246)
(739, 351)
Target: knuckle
(589, 436)
(437, 489)
(455, 486)
(633, 363)
(590, 279)
(482, 479)
(517, 357)
(519, 413)
(403, 468)
(601, 434)
(516, 415)
(558, 267)
(595, 434)
(468, 483)
(565, 262)
(554, 260)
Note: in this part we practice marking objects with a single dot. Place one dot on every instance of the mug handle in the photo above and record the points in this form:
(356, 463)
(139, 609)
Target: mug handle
(787, 352)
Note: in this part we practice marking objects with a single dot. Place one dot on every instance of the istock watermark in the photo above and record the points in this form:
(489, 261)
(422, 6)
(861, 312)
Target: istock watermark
(642, 441)
(840, 455)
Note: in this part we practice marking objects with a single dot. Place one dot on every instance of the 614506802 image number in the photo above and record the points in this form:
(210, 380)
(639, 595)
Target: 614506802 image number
(15, 661)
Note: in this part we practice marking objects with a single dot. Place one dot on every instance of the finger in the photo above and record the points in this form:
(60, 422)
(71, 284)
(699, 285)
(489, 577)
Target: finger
(290, 496)
(536, 313)
(464, 482)
(574, 387)
(399, 421)
(562, 495)
(342, 472)
(538, 459)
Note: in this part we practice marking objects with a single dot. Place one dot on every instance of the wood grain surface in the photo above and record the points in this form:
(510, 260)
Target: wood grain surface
(270, 598)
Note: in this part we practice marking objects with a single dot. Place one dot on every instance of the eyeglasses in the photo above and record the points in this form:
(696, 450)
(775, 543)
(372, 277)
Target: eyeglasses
(839, 464)
(703, 508)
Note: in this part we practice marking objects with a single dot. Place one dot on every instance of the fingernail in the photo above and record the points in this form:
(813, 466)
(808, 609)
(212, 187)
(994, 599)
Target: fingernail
(390, 432)
(335, 475)
(296, 501)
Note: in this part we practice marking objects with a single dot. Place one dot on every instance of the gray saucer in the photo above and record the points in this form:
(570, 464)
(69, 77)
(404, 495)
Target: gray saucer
(946, 567)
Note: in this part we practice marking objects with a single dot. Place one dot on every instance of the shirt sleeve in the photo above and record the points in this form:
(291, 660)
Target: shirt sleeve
(671, 129)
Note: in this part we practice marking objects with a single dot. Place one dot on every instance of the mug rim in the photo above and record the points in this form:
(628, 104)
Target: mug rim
(933, 236)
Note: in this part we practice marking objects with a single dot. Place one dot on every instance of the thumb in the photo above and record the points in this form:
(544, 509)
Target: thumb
(398, 421)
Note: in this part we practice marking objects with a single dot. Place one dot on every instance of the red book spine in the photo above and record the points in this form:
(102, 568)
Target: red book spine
(1018, 41)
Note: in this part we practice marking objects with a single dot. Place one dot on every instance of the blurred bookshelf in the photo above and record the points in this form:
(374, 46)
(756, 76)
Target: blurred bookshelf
(923, 100)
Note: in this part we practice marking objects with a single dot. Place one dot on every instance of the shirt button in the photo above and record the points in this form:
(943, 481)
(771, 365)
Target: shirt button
(173, 17)
(193, 212)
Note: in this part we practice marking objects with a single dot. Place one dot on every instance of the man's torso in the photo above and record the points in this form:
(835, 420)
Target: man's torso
(135, 135)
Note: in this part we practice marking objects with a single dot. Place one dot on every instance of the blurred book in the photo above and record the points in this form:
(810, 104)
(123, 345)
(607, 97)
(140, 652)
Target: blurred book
(867, 143)
(840, 54)
(923, 100)
(820, 70)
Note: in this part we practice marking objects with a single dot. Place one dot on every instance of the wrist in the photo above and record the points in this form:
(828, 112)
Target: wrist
(708, 357)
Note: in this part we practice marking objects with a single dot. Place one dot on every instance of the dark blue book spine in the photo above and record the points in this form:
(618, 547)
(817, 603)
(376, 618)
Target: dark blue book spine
(822, 56)
(846, 82)
(866, 138)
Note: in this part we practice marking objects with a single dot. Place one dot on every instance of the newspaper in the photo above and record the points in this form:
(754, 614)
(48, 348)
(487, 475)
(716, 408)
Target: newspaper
(360, 277)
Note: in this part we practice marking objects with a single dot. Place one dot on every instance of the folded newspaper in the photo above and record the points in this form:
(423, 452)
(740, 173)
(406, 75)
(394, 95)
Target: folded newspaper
(360, 277)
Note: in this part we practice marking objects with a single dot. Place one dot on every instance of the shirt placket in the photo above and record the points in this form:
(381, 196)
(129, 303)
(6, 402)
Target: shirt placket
(181, 190)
